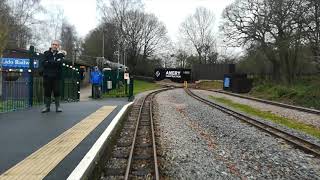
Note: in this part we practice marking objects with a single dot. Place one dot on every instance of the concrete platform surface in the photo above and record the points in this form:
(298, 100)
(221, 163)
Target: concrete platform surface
(28, 136)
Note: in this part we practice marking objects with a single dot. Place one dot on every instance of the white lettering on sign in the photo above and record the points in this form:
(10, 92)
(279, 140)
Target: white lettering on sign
(173, 74)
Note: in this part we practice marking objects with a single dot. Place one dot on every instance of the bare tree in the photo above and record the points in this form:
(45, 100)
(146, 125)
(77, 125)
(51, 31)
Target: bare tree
(123, 14)
(69, 40)
(198, 30)
(139, 35)
(4, 24)
(154, 35)
(23, 12)
(56, 18)
(133, 28)
(50, 27)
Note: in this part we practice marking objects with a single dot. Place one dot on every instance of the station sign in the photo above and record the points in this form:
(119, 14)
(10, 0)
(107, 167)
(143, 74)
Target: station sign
(17, 63)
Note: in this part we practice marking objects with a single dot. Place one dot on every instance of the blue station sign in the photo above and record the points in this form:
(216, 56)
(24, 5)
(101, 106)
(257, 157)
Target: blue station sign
(17, 63)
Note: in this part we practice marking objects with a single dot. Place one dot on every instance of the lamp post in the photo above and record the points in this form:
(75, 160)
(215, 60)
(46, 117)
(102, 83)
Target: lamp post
(103, 43)
(75, 57)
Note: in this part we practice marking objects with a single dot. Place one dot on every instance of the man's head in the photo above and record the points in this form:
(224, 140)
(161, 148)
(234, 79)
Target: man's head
(55, 45)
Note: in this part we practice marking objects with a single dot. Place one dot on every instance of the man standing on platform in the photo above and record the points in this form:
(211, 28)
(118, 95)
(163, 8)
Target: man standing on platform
(52, 69)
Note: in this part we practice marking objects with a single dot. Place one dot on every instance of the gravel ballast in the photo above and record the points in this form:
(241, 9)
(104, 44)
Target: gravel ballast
(196, 141)
(304, 117)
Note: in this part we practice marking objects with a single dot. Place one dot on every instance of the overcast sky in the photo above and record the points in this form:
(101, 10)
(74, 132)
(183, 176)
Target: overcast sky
(82, 13)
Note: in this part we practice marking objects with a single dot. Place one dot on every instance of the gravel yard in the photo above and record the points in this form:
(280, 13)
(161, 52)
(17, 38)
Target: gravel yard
(198, 142)
(299, 116)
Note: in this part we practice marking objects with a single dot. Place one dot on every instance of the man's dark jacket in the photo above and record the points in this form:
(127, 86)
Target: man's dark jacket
(52, 64)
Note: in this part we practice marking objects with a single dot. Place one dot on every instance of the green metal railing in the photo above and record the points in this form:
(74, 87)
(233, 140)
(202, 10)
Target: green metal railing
(15, 89)
(119, 86)
(70, 83)
(22, 87)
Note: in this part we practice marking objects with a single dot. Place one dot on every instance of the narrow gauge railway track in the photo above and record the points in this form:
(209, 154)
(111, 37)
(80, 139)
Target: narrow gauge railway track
(302, 109)
(295, 140)
(135, 155)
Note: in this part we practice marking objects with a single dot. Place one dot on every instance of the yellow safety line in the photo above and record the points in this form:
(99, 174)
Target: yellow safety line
(40, 163)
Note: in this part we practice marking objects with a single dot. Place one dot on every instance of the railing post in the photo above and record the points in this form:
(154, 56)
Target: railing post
(62, 85)
(130, 96)
(31, 68)
(78, 83)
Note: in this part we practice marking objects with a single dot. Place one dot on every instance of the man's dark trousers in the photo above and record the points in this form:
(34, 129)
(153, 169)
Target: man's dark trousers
(51, 85)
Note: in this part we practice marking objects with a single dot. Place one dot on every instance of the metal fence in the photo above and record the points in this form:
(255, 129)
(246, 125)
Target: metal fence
(211, 71)
(120, 90)
(20, 88)
(70, 83)
(115, 85)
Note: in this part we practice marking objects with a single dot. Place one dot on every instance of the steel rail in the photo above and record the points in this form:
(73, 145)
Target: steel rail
(301, 143)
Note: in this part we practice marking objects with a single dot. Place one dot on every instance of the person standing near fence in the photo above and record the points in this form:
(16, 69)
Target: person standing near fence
(96, 79)
(52, 70)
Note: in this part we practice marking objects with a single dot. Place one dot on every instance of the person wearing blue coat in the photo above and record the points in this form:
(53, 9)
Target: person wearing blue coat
(96, 79)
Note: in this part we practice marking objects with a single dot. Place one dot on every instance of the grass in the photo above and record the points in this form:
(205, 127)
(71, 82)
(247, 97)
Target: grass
(10, 105)
(303, 92)
(139, 86)
(115, 93)
(142, 86)
(210, 85)
(290, 123)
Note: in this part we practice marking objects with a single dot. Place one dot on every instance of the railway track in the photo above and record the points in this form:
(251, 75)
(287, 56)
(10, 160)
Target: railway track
(134, 155)
(302, 109)
(292, 139)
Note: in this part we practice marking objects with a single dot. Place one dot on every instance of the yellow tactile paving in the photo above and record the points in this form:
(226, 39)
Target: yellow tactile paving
(40, 163)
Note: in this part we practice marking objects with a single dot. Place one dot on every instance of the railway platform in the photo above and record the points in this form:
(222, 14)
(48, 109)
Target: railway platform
(53, 145)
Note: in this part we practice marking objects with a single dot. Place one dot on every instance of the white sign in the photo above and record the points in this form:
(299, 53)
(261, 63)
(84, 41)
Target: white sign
(173, 74)
(126, 75)
(158, 73)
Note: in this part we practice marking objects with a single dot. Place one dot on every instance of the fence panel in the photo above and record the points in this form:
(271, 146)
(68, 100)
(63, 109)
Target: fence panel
(15, 86)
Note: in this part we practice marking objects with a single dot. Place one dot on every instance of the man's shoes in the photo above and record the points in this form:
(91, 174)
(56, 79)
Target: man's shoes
(47, 102)
(45, 110)
(57, 102)
(58, 109)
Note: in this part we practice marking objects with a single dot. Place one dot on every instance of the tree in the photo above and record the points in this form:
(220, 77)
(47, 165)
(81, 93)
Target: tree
(92, 45)
(23, 13)
(4, 24)
(133, 35)
(276, 26)
(138, 35)
(198, 30)
(54, 22)
(181, 58)
(154, 35)
(69, 40)
(126, 18)
(313, 29)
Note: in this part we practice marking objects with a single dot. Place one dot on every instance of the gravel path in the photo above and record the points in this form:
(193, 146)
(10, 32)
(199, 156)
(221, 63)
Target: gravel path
(85, 92)
(198, 142)
(299, 116)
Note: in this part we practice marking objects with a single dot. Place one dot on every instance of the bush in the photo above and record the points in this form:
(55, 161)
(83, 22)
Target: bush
(303, 92)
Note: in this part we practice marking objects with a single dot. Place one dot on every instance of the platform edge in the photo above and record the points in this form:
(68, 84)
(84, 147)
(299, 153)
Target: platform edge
(88, 161)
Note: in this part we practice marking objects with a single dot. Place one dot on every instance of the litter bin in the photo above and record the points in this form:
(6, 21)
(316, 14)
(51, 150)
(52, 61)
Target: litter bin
(109, 85)
(237, 83)
(227, 82)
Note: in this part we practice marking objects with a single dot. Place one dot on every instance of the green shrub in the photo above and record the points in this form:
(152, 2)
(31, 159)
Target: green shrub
(303, 92)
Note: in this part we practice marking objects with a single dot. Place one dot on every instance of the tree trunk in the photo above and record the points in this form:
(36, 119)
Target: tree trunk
(276, 76)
